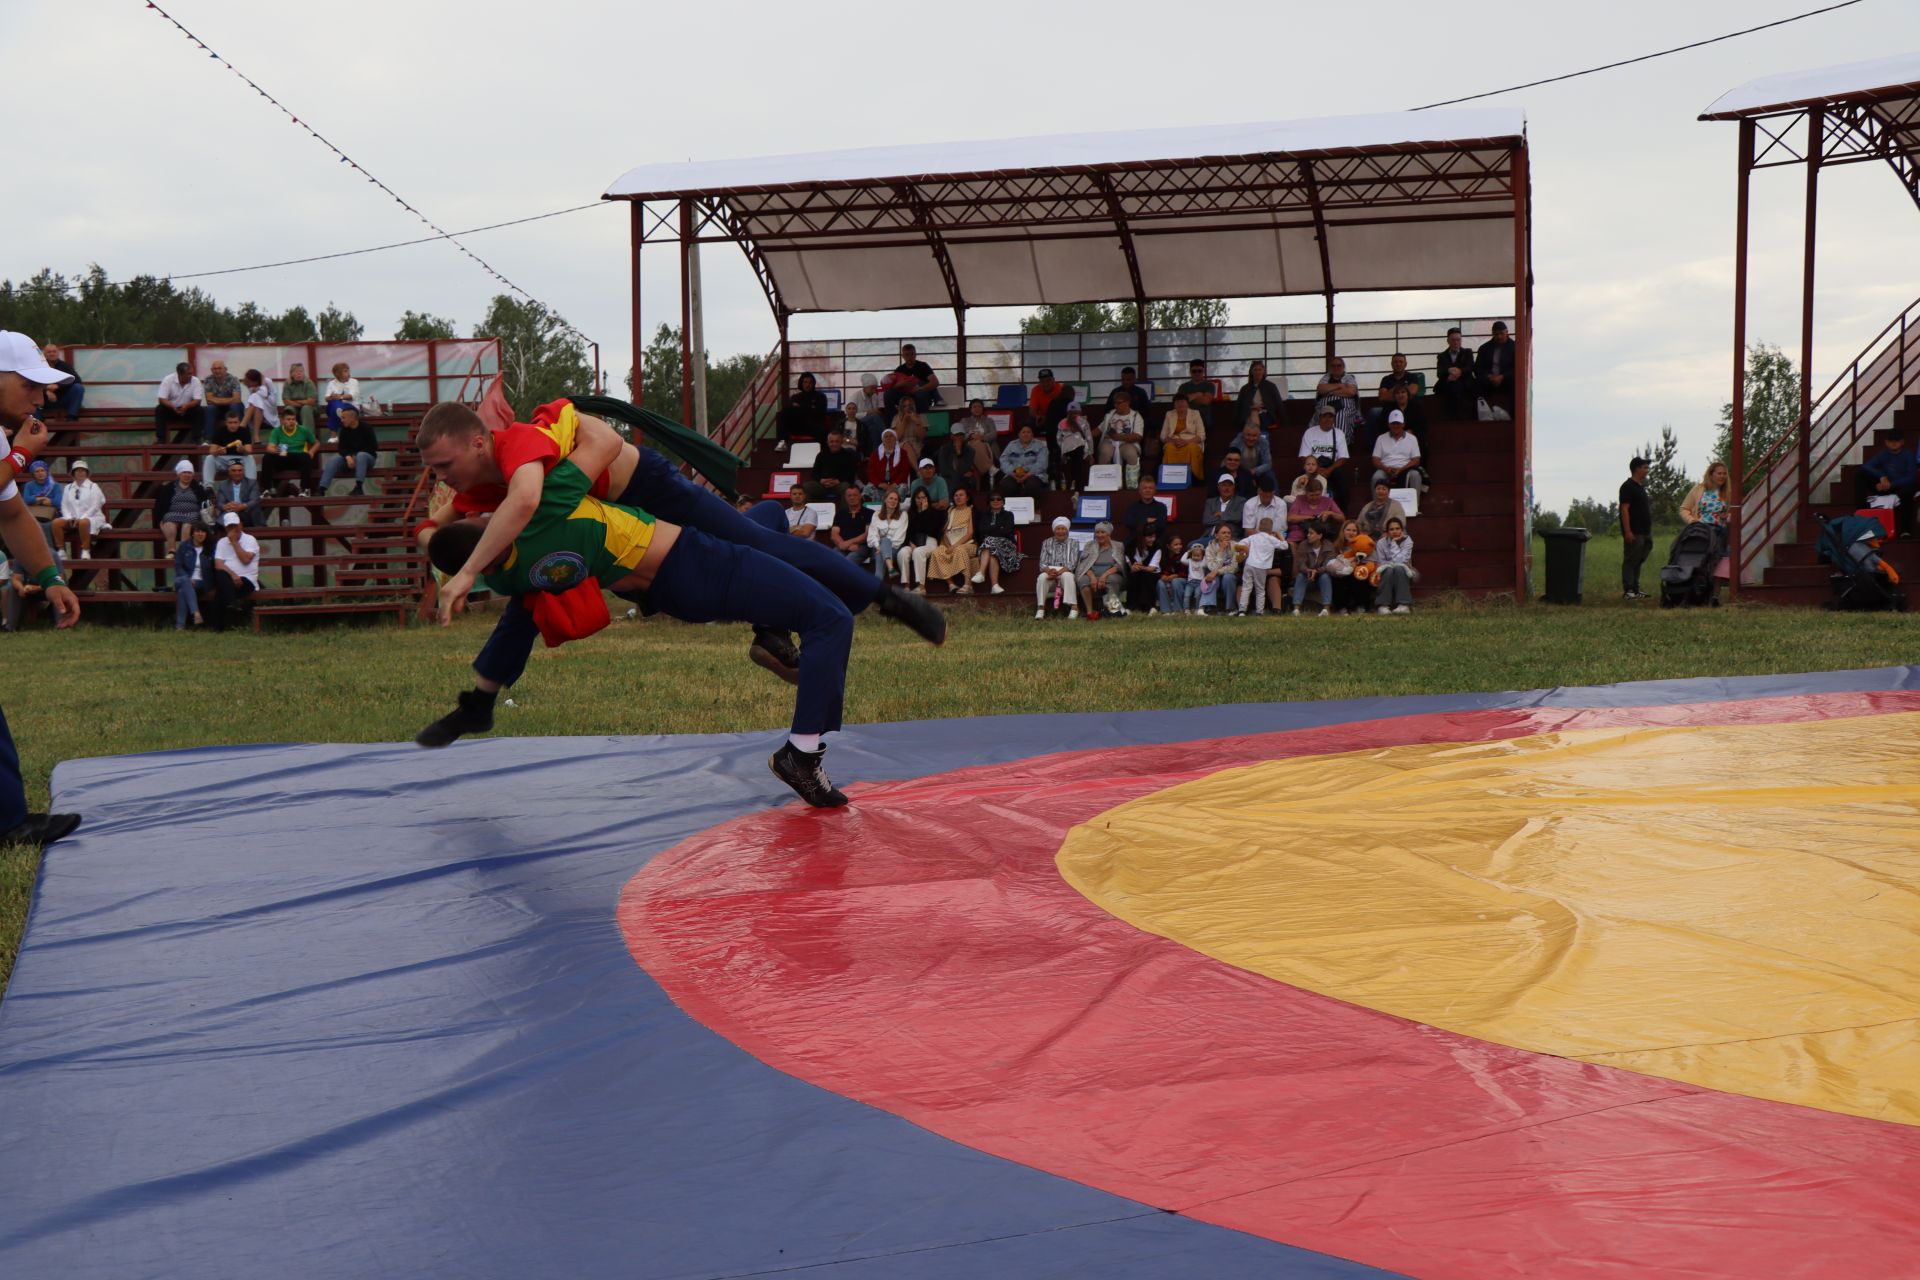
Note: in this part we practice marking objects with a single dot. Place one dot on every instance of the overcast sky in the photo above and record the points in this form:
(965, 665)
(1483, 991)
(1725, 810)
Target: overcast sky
(152, 158)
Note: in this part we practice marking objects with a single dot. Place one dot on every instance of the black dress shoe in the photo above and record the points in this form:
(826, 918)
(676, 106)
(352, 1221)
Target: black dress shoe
(916, 611)
(802, 771)
(42, 828)
(775, 651)
(474, 714)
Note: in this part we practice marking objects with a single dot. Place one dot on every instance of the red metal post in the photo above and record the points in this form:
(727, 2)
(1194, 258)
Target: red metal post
(1736, 465)
(686, 312)
(786, 361)
(1816, 136)
(1523, 365)
(636, 233)
(433, 372)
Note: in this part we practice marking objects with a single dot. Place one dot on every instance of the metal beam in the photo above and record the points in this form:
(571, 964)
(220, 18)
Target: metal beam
(1125, 232)
(686, 314)
(638, 238)
(923, 221)
(1326, 256)
(1736, 465)
(1816, 128)
(1523, 367)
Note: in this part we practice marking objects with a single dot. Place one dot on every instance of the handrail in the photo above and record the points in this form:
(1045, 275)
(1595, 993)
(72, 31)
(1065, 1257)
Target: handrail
(1813, 452)
(737, 431)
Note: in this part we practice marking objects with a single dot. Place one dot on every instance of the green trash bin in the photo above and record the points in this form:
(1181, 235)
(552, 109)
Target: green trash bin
(1566, 564)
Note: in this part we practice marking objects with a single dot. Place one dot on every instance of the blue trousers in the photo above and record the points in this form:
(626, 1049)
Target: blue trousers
(658, 487)
(706, 580)
(13, 792)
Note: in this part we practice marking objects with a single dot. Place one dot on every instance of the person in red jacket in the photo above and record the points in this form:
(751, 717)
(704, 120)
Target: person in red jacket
(888, 467)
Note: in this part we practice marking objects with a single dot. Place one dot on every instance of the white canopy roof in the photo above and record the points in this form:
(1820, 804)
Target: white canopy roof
(1411, 200)
(1878, 77)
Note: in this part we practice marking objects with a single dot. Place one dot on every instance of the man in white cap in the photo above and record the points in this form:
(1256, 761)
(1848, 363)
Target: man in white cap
(236, 568)
(1060, 578)
(1396, 456)
(24, 378)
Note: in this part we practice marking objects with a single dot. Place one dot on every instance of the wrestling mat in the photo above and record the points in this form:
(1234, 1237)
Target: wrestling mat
(1601, 982)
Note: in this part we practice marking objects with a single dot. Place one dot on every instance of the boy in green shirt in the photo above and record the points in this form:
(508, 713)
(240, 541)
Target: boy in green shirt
(289, 447)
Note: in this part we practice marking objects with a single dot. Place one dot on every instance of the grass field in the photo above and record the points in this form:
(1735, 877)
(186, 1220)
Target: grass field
(111, 690)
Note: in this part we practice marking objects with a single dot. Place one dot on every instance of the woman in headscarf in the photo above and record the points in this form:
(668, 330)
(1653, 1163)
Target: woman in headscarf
(888, 467)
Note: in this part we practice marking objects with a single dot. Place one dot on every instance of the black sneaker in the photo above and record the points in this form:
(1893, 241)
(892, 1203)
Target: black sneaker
(774, 650)
(916, 611)
(474, 714)
(802, 771)
(45, 828)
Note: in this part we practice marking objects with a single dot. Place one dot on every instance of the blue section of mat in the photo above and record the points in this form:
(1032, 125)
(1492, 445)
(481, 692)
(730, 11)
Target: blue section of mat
(333, 1011)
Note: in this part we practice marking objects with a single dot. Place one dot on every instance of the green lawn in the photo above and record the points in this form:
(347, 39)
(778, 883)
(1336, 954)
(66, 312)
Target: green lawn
(109, 690)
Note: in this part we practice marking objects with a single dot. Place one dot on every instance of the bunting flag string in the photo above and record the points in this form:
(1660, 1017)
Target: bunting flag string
(440, 233)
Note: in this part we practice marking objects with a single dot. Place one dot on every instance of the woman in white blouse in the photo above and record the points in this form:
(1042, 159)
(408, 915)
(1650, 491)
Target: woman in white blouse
(343, 389)
(887, 533)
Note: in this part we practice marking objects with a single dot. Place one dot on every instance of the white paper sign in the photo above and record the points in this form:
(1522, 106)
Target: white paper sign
(1093, 509)
(820, 514)
(782, 482)
(802, 455)
(1081, 536)
(1409, 500)
(1021, 509)
(1103, 477)
(1166, 502)
(1175, 475)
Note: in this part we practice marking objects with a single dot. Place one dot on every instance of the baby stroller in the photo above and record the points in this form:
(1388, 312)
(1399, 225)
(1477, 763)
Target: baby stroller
(1861, 579)
(1688, 577)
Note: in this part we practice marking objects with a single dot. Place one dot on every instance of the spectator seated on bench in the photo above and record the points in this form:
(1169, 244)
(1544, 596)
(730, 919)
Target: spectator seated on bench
(1200, 390)
(835, 467)
(236, 569)
(289, 450)
(799, 519)
(63, 398)
(1261, 401)
(83, 510)
(41, 493)
(1404, 403)
(239, 493)
(179, 505)
(1183, 435)
(1147, 511)
(356, 445)
(1396, 456)
(1023, 466)
(805, 415)
(1139, 394)
(182, 402)
(911, 379)
(888, 467)
(1496, 364)
(1373, 517)
(1455, 381)
(232, 441)
(343, 389)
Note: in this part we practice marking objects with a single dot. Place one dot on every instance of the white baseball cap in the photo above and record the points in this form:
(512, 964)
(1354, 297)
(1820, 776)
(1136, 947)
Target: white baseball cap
(1396, 416)
(183, 467)
(19, 355)
(232, 517)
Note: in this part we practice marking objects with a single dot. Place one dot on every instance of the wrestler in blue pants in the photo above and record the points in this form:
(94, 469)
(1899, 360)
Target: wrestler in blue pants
(703, 579)
(658, 488)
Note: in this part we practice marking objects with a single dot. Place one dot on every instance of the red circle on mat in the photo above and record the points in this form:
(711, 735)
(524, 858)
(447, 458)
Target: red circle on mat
(921, 953)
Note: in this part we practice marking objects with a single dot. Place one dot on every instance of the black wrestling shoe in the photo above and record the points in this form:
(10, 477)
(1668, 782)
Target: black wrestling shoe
(774, 650)
(473, 715)
(802, 771)
(45, 828)
(916, 611)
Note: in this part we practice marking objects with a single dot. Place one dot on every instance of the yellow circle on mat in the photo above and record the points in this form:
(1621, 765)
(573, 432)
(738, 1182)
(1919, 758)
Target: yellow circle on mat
(1735, 907)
